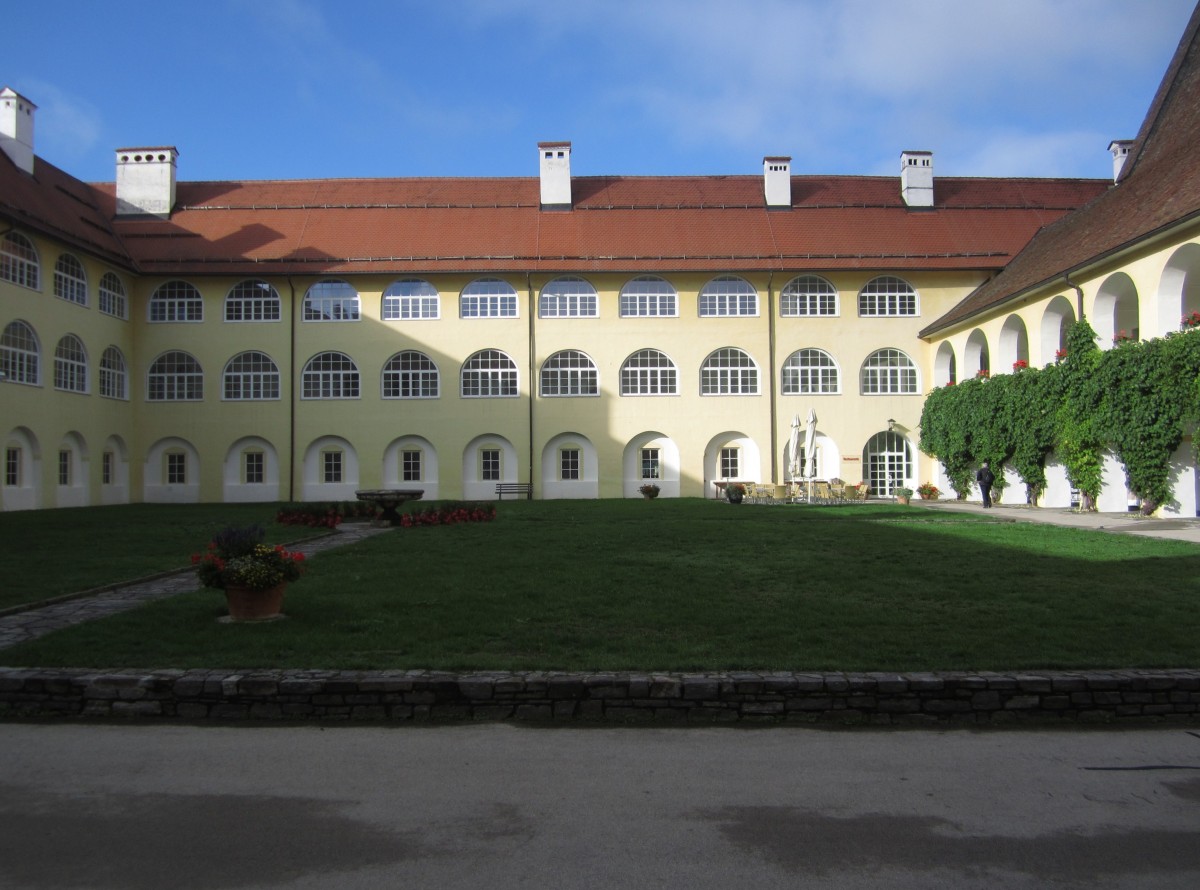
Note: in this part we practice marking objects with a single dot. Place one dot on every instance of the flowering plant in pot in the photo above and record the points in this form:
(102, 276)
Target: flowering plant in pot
(928, 491)
(252, 574)
(734, 492)
(649, 491)
(903, 494)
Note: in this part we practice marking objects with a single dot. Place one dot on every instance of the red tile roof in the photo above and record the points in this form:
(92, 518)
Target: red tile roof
(1159, 188)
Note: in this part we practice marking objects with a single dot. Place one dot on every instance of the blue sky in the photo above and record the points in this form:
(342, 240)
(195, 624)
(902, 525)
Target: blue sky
(285, 89)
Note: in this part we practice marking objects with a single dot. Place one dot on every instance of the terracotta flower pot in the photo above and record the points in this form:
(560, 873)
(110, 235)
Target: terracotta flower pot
(253, 604)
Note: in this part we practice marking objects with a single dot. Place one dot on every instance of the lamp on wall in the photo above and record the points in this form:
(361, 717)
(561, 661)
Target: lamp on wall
(891, 425)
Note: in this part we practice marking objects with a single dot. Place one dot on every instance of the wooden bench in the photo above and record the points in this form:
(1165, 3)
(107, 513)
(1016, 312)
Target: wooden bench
(525, 488)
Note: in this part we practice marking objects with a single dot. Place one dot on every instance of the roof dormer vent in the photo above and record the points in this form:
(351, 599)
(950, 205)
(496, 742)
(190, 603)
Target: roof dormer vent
(777, 181)
(916, 178)
(16, 128)
(146, 181)
(1120, 149)
(555, 168)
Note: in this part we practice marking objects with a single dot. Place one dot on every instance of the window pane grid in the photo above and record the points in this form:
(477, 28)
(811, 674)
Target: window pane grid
(489, 464)
(649, 373)
(411, 298)
(650, 463)
(114, 380)
(887, 295)
(410, 375)
(568, 298)
(489, 373)
(19, 354)
(488, 298)
(252, 300)
(331, 301)
(330, 375)
(889, 371)
(112, 296)
(70, 365)
(809, 371)
(569, 463)
(729, 372)
(648, 296)
(176, 301)
(410, 465)
(251, 376)
(728, 296)
(19, 261)
(808, 295)
(569, 373)
(175, 377)
(70, 281)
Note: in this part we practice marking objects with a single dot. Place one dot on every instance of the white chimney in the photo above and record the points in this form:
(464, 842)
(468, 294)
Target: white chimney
(16, 128)
(916, 178)
(555, 169)
(777, 181)
(146, 181)
(1120, 152)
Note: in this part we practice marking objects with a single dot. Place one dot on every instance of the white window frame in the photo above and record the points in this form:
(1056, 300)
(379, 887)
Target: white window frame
(70, 279)
(728, 296)
(649, 372)
(113, 298)
(491, 463)
(412, 465)
(20, 354)
(254, 466)
(70, 365)
(410, 374)
(568, 297)
(175, 376)
(330, 375)
(175, 301)
(649, 296)
(490, 374)
(488, 298)
(332, 300)
(568, 373)
(808, 296)
(889, 372)
(19, 261)
(250, 376)
(804, 367)
(253, 300)
(570, 463)
(888, 296)
(729, 371)
(114, 374)
(410, 298)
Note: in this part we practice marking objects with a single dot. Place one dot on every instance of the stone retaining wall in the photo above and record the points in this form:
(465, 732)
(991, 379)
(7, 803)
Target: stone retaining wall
(730, 697)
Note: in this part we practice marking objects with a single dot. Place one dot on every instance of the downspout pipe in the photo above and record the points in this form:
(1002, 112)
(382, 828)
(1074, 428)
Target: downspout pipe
(292, 402)
(1078, 293)
(771, 391)
(532, 376)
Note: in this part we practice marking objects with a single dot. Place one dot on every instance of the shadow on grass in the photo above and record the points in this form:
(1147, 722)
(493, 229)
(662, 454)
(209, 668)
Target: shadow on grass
(692, 585)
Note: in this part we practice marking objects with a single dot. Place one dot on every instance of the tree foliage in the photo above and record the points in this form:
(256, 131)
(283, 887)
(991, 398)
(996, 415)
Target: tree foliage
(1138, 400)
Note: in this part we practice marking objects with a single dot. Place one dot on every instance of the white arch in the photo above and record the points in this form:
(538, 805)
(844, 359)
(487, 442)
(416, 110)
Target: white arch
(668, 464)
(393, 466)
(1178, 288)
(157, 487)
(27, 493)
(77, 491)
(588, 483)
(945, 365)
(1116, 309)
(749, 460)
(116, 490)
(1014, 343)
(477, 488)
(1058, 316)
(239, 489)
(314, 486)
(976, 356)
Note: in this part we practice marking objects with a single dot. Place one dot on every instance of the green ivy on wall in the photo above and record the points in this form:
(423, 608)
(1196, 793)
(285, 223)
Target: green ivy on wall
(1138, 400)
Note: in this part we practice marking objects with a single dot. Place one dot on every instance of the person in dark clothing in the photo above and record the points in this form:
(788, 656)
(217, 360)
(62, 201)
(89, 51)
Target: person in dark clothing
(985, 478)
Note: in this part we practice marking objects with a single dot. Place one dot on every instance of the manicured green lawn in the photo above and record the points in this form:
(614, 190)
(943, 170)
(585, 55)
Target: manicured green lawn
(692, 585)
(47, 553)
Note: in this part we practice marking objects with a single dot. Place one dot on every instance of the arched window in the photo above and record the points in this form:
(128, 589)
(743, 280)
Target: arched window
(330, 375)
(331, 300)
(250, 376)
(888, 463)
(489, 373)
(19, 354)
(112, 296)
(729, 372)
(175, 376)
(19, 261)
(810, 372)
(410, 298)
(70, 365)
(728, 295)
(176, 301)
(649, 296)
(410, 375)
(488, 298)
(569, 373)
(889, 372)
(568, 297)
(114, 379)
(649, 373)
(70, 281)
(808, 295)
(252, 300)
(887, 295)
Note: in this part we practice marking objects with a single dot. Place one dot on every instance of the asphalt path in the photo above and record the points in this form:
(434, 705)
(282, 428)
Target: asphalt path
(146, 807)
